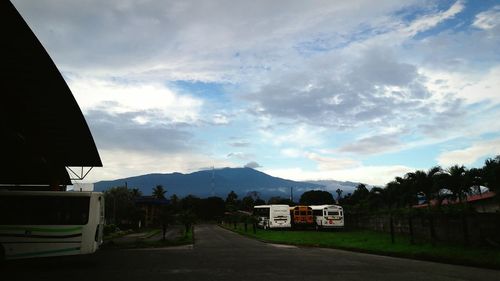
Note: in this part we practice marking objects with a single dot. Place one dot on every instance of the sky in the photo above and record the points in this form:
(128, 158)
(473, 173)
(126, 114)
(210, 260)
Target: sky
(305, 90)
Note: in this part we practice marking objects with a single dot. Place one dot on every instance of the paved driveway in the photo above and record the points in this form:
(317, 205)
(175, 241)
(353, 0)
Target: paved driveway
(219, 254)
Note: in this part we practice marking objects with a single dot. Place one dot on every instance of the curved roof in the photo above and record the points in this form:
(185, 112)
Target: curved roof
(42, 128)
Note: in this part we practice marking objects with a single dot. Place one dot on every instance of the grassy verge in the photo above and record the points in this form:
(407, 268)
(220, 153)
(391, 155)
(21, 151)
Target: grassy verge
(117, 234)
(379, 243)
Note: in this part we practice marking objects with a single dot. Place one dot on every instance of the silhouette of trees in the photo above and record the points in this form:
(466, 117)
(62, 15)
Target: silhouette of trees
(159, 192)
(316, 197)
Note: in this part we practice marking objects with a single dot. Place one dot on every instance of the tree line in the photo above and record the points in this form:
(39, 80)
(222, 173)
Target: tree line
(431, 187)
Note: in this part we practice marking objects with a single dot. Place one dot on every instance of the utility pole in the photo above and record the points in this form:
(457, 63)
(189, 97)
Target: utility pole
(213, 181)
(291, 193)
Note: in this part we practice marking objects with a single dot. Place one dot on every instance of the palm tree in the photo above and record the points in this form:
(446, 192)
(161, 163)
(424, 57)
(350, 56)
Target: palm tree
(135, 192)
(339, 194)
(458, 182)
(159, 192)
(491, 175)
(428, 185)
(386, 197)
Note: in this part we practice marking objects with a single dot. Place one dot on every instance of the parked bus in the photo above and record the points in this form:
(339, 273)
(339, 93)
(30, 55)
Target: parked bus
(328, 216)
(50, 223)
(272, 216)
(301, 216)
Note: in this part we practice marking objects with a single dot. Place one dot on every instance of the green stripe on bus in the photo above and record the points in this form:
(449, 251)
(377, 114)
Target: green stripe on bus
(41, 229)
(43, 252)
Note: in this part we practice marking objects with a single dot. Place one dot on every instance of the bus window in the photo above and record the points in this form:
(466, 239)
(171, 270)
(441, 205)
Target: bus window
(44, 210)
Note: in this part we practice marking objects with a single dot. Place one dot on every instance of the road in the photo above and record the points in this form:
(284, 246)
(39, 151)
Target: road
(219, 254)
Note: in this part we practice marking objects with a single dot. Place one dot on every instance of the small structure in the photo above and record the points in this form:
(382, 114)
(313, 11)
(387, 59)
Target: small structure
(483, 202)
(151, 207)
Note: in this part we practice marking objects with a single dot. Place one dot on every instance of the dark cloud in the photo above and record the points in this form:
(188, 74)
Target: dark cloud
(240, 143)
(373, 144)
(451, 116)
(252, 165)
(239, 155)
(374, 89)
(119, 131)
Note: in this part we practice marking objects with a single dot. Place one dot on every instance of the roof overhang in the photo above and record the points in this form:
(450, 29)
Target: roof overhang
(42, 129)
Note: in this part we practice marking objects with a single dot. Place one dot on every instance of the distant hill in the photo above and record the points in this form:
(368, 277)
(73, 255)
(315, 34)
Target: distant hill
(241, 180)
(332, 186)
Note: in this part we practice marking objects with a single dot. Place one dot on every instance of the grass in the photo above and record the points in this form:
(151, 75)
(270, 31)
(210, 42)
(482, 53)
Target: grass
(117, 234)
(379, 243)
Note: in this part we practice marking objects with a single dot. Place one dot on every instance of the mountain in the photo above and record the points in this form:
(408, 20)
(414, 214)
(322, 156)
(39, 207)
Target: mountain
(241, 180)
(332, 186)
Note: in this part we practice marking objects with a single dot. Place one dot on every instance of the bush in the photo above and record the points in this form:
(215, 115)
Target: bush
(110, 228)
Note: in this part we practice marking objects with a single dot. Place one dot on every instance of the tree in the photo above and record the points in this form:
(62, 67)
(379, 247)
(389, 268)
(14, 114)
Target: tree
(386, 197)
(360, 195)
(231, 201)
(247, 203)
(211, 208)
(187, 218)
(175, 202)
(457, 181)
(428, 185)
(135, 192)
(339, 194)
(166, 218)
(120, 206)
(279, 200)
(316, 197)
(159, 192)
(491, 174)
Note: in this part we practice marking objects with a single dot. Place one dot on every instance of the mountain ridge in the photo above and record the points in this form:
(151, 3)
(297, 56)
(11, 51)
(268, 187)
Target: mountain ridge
(216, 182)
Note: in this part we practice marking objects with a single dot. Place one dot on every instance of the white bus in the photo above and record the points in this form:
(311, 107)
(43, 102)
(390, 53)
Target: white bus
(328, 216)
(273, 216)
(50, 223)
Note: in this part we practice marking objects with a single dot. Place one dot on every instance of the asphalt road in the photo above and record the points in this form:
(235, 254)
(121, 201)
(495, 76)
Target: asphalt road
(219, 254)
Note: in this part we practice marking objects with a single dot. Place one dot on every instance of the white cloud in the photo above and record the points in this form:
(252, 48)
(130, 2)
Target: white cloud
(430, 21)
(470, 154)
(220, 119)
(488, 19)
(125, 97)
(125, 163)
(332, 164)
(475, 86)
(239, 155)
(291, 152)
(486, 88)
(301, 135)
(374, 175)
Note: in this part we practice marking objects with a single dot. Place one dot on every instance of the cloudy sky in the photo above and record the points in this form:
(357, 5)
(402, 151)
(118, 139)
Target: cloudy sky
(346, 90)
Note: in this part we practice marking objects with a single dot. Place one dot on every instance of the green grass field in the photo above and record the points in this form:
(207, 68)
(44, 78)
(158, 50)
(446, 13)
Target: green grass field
(378, 243)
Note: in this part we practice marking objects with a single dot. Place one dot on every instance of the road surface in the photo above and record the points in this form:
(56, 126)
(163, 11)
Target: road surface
(219, 255)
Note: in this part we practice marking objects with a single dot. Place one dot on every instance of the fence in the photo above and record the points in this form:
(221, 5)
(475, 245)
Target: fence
(479, 229)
